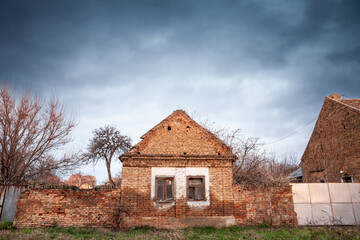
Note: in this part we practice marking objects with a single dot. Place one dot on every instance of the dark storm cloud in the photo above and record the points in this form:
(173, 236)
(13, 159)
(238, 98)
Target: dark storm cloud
(263, 66)
(72, 43)
(346, 55)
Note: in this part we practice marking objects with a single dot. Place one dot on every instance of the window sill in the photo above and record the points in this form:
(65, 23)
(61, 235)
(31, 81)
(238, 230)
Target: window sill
(164, 201)
(198, 204)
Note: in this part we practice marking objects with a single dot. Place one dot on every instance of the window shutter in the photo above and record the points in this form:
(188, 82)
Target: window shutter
(196, 188)
(199, 193)
(160, 190)
(191, 193)
(169, 192)
(164, 188)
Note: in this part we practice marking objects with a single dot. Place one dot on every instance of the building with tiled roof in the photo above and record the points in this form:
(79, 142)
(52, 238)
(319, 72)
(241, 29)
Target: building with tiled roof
(81, 181)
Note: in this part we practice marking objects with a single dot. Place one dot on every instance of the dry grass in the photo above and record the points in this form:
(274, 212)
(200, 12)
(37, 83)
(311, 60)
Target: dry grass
(145, 233)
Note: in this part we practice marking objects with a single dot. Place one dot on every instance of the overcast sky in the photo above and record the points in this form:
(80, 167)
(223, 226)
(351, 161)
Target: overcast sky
(262, 66)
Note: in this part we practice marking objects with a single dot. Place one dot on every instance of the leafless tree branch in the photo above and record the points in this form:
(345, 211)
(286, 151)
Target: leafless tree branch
(106, 144)
(30, 133)
(254, 165)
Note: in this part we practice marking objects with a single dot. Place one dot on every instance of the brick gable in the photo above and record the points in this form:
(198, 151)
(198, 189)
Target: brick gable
(334, 145)
(178, 134)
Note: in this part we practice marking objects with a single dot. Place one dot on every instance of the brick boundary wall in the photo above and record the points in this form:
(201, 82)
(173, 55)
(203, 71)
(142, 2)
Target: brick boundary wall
(68, 207)
(101, 208)
(273, 206)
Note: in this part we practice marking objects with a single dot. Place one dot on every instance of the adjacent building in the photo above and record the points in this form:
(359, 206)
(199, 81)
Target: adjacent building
(81, 181)
(333, 151)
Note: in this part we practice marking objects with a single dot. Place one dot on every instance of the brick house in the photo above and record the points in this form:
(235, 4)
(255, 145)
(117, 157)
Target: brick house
(333, 151)
(178, 171)
(81, 181)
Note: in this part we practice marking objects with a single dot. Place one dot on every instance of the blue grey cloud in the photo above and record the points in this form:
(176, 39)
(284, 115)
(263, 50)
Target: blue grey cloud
(262, 66)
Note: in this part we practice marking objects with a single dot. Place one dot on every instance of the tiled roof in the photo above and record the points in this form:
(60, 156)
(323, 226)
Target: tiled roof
(77, 179)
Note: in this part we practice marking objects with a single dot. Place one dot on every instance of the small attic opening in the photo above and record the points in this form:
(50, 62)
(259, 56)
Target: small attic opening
(219, 154)
(138, 152)
(184, 153)
(169, 128)
(187, 128)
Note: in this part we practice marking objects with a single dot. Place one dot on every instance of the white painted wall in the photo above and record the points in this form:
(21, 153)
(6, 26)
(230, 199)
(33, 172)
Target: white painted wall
(10, 201)
(180, 175)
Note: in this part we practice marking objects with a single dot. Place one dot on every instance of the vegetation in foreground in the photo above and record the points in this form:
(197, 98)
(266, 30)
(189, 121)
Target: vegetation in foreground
(234, 232)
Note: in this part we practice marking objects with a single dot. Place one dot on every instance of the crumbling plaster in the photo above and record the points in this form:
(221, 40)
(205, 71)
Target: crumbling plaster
(180, 175)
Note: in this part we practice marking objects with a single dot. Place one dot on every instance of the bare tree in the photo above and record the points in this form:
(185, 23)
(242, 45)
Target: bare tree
(107, 143)
(117, 178)
(31, 132)
(254, 166)
(281, 167)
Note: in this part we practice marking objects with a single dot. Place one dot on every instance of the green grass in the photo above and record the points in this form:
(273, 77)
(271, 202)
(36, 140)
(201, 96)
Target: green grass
(6, 225)
(234, 232)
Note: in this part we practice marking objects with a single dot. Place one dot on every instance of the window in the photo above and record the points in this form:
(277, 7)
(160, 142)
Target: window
(347, 180)
(196, 188)
(164, 187)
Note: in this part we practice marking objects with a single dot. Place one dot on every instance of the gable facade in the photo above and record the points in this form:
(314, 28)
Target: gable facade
(333, 151)
(177, 172)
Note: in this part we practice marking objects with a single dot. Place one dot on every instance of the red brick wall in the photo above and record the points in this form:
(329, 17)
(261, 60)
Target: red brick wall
(67, 207)
(273, 206)
(102, 208)
(334, 145)
(249, 207)
(185, 136)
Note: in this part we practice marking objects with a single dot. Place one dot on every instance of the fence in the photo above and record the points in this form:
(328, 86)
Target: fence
(314, 204)
(327, 203)
(8, 200)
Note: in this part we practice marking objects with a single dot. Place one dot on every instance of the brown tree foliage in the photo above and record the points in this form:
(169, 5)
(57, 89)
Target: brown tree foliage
(256, 167)
(106, 144)
(31, 132)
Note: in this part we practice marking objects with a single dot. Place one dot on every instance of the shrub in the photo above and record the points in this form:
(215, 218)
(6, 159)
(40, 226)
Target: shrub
(6, 225)
(264, 225)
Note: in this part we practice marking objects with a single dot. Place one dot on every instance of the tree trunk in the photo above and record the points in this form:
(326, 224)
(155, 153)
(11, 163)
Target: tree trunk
(109, 173)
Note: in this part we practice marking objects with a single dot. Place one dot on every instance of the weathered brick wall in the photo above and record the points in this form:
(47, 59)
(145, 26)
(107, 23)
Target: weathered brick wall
(273, 206)
(229, 204)
(142, 210)
(221, 191)
(102, 208)
(178, 134)
(67, 207)
(334, 145)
